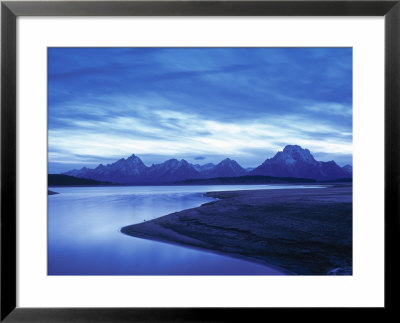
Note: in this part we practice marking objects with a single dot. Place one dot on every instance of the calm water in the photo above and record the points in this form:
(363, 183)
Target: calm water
(84, 235)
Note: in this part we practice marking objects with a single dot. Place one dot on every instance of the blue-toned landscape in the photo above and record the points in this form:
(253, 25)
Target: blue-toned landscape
(200, 161)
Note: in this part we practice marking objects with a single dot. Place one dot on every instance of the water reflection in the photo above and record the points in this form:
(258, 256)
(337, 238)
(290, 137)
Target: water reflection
(84, 236)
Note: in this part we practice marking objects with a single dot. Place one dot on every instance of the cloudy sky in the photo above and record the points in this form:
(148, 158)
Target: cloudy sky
(199, 104)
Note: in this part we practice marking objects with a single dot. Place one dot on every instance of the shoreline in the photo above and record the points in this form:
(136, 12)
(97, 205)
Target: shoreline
(141, 235)
(298, 231)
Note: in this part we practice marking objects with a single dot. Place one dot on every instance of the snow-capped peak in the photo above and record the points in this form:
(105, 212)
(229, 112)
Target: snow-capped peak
(293, 153)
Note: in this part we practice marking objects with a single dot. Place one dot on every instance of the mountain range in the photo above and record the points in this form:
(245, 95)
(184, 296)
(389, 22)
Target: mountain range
(293, 161)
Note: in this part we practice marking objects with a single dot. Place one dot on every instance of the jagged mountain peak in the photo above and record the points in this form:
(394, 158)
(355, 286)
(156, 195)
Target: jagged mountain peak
(292, 154)
(294, 161)
(171, 170)
(227, 162)
(226, 168)
(133, 157)
(172, 164)
(134, 160)
(293, 148)
(296, 150)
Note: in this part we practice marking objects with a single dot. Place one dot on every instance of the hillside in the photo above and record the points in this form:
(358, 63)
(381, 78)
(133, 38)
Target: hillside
(65, 180)
(243, 180)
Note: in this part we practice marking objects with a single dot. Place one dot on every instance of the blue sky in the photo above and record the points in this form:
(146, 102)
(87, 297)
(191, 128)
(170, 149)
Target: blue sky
(199, 104)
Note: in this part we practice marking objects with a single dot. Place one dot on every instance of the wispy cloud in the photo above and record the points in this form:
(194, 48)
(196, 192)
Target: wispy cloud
(173, 133)
(245, 103)
(331, 108)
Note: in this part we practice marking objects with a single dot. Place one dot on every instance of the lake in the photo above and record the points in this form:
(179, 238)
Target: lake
(84, 235)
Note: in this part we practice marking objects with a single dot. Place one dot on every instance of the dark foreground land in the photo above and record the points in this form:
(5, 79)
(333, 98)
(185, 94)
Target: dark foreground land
(245, 180)
(303, 231)
(66, 180)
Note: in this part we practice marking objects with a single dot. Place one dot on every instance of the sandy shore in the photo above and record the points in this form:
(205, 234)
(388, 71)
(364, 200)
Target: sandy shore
(302, 231)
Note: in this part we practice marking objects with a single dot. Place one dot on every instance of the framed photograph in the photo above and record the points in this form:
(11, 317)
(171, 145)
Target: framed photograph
(197, 161)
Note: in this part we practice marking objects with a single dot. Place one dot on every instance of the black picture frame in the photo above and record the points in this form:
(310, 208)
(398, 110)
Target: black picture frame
(10, 10)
